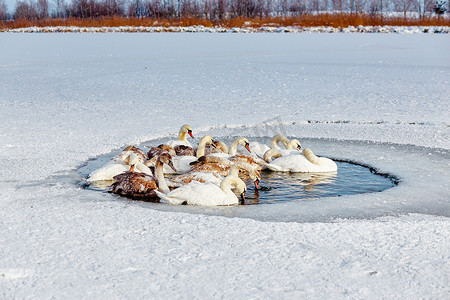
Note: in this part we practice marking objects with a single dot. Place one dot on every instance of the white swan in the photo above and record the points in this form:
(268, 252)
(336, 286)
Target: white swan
(292, 147)
(182, 163)
(116, 167)
(185, 129)
(232, 150)
(142, 186)
(207, 194)
(307, 162)
(259, 149)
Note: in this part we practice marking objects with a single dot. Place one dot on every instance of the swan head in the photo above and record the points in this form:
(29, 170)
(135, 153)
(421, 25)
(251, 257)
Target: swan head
(244, 142)
(207, 139)
(166, 158)
(240, 188)
(133, 161)
(294, 144)
(187, 129)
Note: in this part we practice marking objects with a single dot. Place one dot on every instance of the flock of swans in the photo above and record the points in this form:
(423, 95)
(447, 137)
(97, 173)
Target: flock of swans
(209, 174)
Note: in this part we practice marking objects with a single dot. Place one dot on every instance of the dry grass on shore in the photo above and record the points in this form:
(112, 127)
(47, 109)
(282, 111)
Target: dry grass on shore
(333, 20)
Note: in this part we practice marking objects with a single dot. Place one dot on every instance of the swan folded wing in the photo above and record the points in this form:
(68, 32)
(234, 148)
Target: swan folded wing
(154, 152)
(174, 143)
(182, 150)
(108, 171)
(187, 178)
(299, 163)
(257, 148)
(195, 193)
(134, 184)
(181, 164)
(255, 162)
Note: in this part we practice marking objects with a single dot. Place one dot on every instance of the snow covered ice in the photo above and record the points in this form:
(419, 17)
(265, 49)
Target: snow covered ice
(379, 99)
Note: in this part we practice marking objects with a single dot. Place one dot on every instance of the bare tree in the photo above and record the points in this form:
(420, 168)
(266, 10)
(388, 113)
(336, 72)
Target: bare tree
(338, 5)
(25, 10)
(3, 11)
(403, 6)
(42, 9)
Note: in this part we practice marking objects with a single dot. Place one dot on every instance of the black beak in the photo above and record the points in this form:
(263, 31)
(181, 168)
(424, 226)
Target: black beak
(257, 184)
(171, 165)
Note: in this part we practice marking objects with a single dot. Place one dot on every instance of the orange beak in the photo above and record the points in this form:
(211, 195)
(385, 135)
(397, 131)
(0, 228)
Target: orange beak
(190, 133)
(247, 147)
(132, 168)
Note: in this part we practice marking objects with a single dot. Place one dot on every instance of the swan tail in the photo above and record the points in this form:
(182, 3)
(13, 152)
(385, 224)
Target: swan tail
(167, 199)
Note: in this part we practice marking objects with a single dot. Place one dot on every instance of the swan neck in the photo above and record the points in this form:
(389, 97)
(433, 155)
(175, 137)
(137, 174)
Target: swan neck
(278, 138)
(159, 174)
(143, 168)
(224, 147)
(233, 147)
(201, 147)
(225, 185)
(182, 135)
(311, 156)
(271, 154)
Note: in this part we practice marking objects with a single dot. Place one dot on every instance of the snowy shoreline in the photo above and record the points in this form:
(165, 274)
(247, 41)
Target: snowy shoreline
(264, 29)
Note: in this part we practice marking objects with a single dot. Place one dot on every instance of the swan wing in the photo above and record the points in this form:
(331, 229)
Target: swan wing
(174, 143)
(107, 172)
(195, 193)
(299, 163)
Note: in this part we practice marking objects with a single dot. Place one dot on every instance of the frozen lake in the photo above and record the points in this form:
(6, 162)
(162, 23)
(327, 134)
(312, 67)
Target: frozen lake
(375, 99)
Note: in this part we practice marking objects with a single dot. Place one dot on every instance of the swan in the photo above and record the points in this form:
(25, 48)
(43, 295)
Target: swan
(207, 194)
(185, 129)
(113, 168)
(222, 166)
(182, 163)
(182, 150)
(292, 147)
(307, 162)
(213, 177)
(216, 147)
(155, 151)
(232, 150)
(125, 154)
(234, 157)
(142, 185)
(259, 149)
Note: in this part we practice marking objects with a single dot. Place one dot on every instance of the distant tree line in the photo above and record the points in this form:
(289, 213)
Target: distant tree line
(213, 10)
